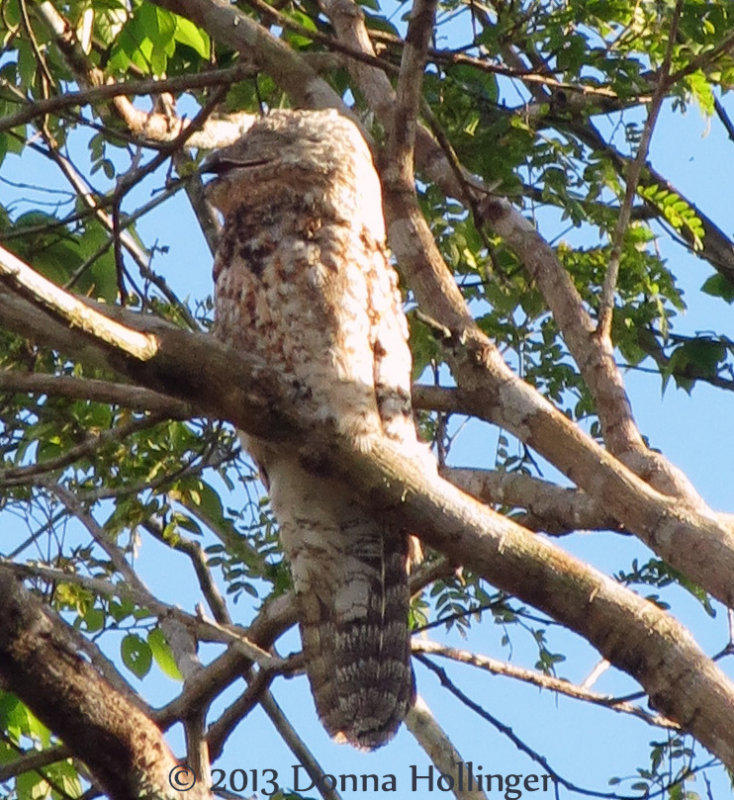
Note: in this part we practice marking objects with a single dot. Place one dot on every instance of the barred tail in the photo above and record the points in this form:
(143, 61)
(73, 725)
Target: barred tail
(356, 641)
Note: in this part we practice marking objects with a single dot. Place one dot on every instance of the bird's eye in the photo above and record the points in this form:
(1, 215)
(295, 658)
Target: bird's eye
(221, 165)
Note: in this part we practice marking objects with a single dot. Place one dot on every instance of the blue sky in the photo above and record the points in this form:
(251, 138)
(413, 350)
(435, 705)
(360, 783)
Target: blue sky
(584, 744)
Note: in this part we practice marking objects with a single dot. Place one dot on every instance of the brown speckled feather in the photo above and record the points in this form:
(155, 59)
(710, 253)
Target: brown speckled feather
(302, 278)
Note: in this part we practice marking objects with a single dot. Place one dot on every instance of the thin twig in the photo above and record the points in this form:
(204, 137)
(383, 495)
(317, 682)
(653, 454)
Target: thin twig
(193, 550)
(497, 667)
(298, 747)
(102, 538)
(180, 83)
(258, 682)
(135, 591)
(512, 736)
(606, 305)
(137, 398)
(14, 476)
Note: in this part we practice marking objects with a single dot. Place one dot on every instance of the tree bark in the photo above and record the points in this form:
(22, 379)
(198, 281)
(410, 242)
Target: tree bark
(41, 663)
(632, 633)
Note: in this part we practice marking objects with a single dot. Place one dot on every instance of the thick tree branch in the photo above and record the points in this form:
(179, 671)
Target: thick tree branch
(594, 357)
(23, 281)
(550, 508)
(124, 750)
(402, 133)
(593, 354)
(245, 650)
(632, 633)
(204, 684)
(437, 294)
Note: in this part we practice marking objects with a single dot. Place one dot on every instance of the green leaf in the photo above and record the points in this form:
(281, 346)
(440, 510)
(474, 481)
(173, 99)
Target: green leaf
(14, 716)
(136, 655)
(120, 610)
(163, 655)
(94, 620)
(702, 91)
(719, 286)
(65, 775)
(27, 63)
(187, 33)
(31, 786)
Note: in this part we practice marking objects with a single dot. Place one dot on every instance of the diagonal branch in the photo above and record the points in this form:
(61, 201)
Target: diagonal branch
(540, 679)
(437, 294)
(193, 550)
(231, 27)
(22, 280)
(629, 631)
(606, 304)
(714, 246)
(402, 133)
(549, 508)
(432, 738)
(505, 730)
(124, 750)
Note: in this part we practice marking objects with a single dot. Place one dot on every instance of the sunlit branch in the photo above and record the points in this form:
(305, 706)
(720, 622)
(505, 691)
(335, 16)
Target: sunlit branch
(433, 739)
(96, 94)
(606, 305)
(497, 667)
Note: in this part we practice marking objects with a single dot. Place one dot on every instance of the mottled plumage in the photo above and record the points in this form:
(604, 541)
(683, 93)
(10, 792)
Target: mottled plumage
(302, 279)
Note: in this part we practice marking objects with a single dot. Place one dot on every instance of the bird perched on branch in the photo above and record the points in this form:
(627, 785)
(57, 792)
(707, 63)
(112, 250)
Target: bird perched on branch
(302, 279)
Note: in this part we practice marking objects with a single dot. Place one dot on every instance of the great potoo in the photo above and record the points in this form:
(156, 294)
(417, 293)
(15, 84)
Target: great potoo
(302, 279)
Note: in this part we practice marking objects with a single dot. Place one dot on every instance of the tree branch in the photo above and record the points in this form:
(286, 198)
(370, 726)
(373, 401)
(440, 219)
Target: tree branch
(136, 398)
(402, 133)
(231, 27)
(23, 281)
(96, 94)
(13, 476)
(606, 303)
(631, 632)
(431, 737)
(33, 761)
(124, 750)
(550, 508)
(541, 680)
(192, 549)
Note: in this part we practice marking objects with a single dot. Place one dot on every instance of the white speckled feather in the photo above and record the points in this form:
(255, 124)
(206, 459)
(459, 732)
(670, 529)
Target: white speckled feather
(302, 278)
